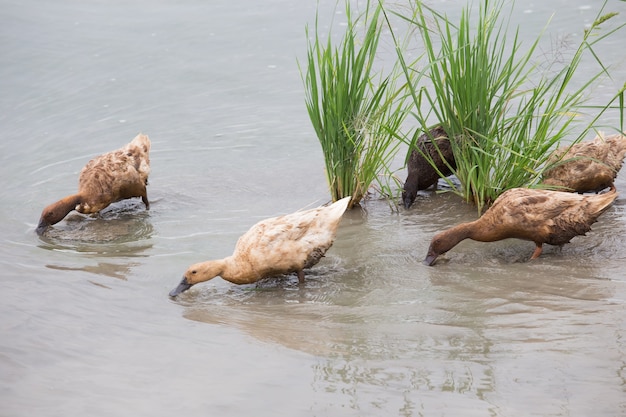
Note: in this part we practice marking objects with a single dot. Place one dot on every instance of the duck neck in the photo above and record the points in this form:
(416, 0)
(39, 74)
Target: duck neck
(463, 231)
(65, 205)
(477, 231)
(55, 212)
(238, 272)
(229, 269)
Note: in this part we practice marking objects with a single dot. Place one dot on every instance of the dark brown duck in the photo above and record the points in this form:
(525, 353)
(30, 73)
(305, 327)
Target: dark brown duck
(421, 174)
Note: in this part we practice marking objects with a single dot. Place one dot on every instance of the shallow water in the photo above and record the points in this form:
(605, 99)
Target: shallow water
(87, 327)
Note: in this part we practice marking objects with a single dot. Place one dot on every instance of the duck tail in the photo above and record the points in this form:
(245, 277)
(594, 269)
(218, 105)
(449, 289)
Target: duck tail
(606, 199)
(142, 142)
(340, 206)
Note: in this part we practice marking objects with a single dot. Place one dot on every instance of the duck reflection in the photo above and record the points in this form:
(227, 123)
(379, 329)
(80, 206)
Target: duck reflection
(119, 233)
(119, 271)
(391, 349)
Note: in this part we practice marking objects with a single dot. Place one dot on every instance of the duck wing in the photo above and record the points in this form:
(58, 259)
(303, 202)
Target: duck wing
(518, 213)
(574, 214)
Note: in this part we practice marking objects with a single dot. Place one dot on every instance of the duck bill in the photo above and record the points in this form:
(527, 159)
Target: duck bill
(407, 200)
(41, 227)
(430, 259)
(182, 287)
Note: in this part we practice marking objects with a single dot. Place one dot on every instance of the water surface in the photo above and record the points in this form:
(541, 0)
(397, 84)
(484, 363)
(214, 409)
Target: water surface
(87, 327)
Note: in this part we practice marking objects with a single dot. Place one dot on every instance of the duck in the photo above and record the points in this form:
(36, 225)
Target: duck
(587, 166)
(275, 246)
(107, 178)
(421, 174)
(538, 215)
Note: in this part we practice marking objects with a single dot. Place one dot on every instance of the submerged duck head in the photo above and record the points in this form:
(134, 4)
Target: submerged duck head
(45, 221)
(445, 241)
(408, 196)
(434, 251)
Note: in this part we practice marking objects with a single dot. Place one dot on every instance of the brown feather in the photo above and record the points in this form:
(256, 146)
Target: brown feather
(107, 178)
(587, 166)
(540, 216)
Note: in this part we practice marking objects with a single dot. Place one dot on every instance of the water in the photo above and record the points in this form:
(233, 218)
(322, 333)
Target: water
(87, 327)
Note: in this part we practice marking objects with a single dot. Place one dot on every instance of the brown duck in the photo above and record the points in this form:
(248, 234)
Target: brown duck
(107, 178)
(275, 246)
(587, 166)
(421, 174)
(540, 216)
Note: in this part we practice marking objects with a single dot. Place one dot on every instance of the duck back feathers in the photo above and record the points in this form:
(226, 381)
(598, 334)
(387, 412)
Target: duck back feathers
(293, 241)
(587, 166)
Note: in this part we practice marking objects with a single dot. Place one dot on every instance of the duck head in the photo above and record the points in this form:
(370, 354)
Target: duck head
(55, 212)
(444, 241)
(408, 197)
(431, 256)
(409, 191)
(196, 273)
(43, 225)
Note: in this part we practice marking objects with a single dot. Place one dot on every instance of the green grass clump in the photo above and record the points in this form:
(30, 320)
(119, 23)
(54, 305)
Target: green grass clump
(504, 113)
(355, 113)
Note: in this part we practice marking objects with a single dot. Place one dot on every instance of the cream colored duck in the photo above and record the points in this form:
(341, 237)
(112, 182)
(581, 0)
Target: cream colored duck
(540, 216)
(107, 178)
(279, 245)
(587, 166)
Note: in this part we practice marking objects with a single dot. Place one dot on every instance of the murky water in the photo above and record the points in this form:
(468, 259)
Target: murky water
(87, 327)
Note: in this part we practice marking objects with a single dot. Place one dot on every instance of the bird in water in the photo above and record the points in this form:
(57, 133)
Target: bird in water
(107, 178)
(275, 246)
(540, 216)
(421, 173)
(587, 166)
